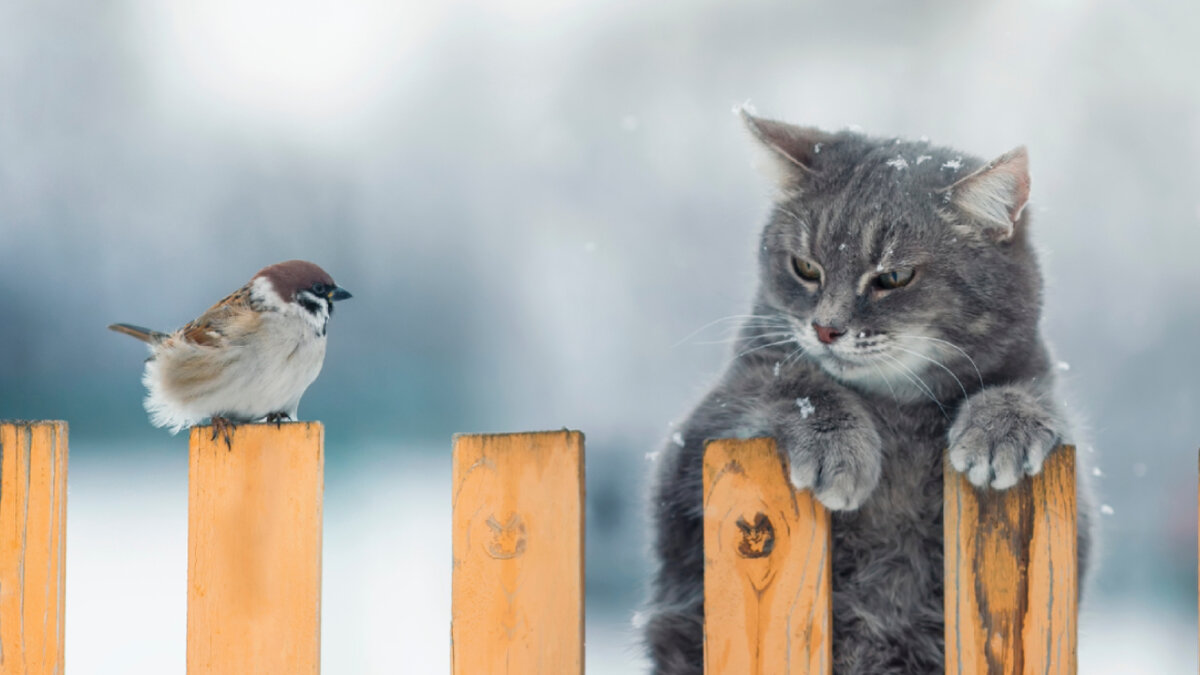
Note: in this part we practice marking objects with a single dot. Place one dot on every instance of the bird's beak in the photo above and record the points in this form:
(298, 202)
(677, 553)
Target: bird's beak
(338, 293)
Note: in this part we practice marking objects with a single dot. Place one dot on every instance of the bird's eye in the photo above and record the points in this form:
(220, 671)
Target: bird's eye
(805, 269)
(895, 278)
(319, 288)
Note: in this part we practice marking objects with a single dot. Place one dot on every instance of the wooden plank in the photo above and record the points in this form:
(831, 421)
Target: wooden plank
(517, 591)
(254, 549)
(1011, 573)
(767, 566)
(33, 519)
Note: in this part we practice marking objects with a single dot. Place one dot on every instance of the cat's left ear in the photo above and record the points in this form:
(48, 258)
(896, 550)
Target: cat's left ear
(995, 196)
(794, 149)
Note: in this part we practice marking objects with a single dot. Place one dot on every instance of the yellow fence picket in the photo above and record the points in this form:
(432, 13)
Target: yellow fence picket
(767, 566)
(1012, 573)
(33, 526)
(254, 549)
(517, 603)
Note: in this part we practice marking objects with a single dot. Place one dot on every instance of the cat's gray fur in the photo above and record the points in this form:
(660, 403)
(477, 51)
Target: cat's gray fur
(954, 359)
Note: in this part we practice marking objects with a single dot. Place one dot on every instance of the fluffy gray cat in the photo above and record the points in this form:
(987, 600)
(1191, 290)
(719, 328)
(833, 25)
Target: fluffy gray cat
(896, 316)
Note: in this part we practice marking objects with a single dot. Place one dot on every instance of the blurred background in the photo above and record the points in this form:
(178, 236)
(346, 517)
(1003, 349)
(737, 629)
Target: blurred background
(535, 205)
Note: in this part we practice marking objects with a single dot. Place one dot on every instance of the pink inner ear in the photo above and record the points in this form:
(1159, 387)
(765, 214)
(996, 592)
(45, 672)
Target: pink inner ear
(1016, 164)
(998, 192)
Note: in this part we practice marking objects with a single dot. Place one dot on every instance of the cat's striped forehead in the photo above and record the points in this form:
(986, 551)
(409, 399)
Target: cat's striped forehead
(870, 203)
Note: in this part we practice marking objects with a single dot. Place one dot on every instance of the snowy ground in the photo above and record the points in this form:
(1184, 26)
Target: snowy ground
(386, 579)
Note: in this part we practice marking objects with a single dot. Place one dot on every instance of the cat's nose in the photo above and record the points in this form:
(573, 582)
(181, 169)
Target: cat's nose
(828, 334)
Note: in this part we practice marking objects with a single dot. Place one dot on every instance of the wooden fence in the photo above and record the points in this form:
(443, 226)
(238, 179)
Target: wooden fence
(254, 558)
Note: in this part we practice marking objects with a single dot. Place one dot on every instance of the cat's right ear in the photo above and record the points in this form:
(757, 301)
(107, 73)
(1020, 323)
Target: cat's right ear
(792, 149)
(993, 198)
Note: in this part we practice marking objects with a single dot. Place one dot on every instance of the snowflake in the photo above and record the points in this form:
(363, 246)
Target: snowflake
(806, 407)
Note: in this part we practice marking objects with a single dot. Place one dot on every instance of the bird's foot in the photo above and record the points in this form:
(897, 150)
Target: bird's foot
(278, 418)
(222, 426)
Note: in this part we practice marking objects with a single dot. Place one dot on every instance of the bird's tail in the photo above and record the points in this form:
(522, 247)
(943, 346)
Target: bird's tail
(143, 334)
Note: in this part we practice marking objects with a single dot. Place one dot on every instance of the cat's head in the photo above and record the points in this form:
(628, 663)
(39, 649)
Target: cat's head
(896, 265)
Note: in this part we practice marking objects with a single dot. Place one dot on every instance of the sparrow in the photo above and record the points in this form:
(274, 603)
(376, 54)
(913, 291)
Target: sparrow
(249, 357)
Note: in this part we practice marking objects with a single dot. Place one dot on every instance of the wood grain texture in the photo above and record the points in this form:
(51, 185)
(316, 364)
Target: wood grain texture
(1012, 573)
(33, 520)
(767, 566)
(517, 604)
(254, 550)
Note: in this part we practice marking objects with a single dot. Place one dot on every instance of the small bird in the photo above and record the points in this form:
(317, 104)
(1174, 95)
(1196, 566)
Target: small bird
(249, 357)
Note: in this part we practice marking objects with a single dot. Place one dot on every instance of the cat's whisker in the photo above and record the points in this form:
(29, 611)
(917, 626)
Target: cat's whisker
(947, 343)
(761, 347)
(782, 363)
(885, 379)
(788, 212)
(793, 357)
(742, 318)
(939, 365)
(916, 380)
(740, 338)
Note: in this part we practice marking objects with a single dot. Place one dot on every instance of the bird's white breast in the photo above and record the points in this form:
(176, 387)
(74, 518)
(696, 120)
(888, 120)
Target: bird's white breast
(247, 377)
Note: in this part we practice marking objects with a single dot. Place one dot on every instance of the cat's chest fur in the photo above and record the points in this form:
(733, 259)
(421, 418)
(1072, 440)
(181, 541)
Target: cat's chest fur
(887, 554)
(908, 498)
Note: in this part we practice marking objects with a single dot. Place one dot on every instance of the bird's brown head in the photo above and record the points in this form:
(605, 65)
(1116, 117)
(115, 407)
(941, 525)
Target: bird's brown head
(303, 282)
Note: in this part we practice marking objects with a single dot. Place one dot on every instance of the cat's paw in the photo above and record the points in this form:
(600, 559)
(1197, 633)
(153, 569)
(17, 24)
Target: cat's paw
(840, 467)
(1001, 435)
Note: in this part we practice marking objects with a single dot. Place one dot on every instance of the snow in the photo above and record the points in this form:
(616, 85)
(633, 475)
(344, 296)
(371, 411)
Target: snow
(842, 246)
(898, 163)
(1063, 366)
(954, 164)
(777, 365)
(653, 456)
(677, 438)
(1106, 510)
(806, 407)
(817, 149)
(923, 158)
(862, 334)
(639, 620)
(1097, 472)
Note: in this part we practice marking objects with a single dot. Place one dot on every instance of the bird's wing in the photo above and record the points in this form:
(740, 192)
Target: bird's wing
(225, 322)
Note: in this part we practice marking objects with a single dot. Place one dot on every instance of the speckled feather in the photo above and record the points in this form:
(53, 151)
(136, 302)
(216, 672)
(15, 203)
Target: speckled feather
(252, 354)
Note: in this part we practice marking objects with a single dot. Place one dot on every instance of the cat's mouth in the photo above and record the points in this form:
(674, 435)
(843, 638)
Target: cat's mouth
(880, 363)
(861, 357)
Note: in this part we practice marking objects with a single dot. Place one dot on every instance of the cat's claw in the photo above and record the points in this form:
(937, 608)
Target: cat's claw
(1002, 436)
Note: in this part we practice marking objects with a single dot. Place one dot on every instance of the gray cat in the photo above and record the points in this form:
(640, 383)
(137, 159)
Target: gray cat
(896, 316)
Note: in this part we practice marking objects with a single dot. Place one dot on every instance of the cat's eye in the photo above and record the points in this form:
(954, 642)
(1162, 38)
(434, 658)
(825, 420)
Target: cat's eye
(895, 278)
(805, 269)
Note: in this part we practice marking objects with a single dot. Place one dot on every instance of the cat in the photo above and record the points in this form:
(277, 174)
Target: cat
(896, 316)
